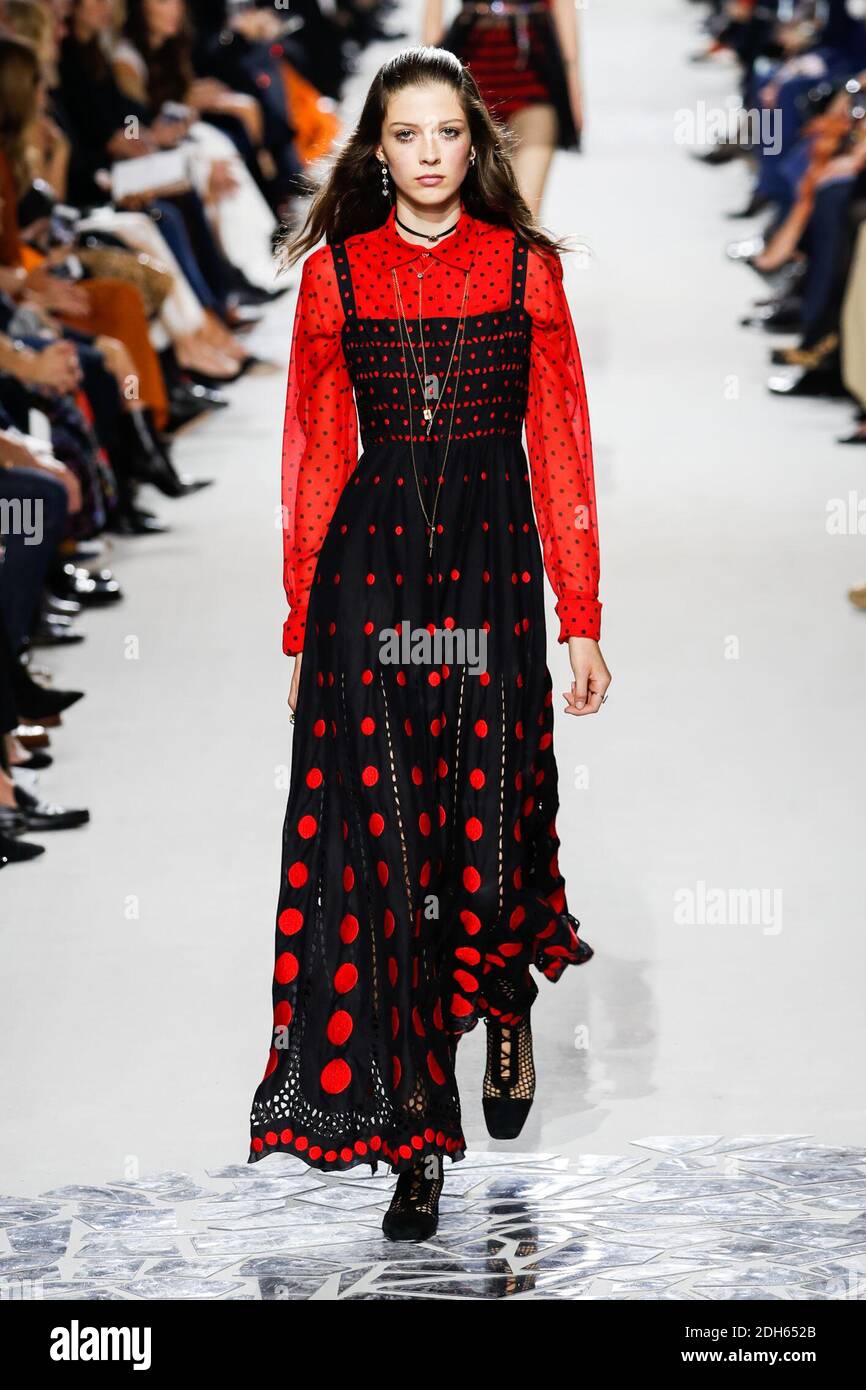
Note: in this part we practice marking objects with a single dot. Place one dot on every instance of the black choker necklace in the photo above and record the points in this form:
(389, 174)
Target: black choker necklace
(428, 236)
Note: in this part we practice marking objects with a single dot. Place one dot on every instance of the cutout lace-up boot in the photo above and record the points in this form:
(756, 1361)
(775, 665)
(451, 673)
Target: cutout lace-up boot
(414, 1210)
(509, 1080)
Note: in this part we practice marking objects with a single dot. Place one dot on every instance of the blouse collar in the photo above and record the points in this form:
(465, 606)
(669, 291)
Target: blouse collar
(457, 249)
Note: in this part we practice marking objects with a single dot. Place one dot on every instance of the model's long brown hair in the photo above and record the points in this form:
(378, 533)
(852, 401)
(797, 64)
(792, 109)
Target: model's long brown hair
(350, 200)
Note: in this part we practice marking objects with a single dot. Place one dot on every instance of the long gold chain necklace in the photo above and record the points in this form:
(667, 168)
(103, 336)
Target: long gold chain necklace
(421, 372)
(427, 413)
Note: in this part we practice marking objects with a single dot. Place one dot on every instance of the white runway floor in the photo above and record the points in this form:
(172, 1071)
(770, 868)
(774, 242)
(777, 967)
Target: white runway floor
(729, 757)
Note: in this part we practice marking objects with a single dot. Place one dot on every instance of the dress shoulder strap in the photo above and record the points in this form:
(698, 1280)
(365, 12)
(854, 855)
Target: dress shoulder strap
(344, 279)
(518, 270)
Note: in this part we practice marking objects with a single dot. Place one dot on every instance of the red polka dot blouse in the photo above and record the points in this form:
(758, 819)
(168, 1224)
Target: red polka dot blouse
(320, 437)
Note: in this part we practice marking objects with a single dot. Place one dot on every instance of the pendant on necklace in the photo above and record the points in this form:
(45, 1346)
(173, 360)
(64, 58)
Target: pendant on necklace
(428, 414)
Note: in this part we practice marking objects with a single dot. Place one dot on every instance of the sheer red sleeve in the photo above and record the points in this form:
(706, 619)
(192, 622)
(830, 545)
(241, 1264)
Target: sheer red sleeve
(559, 446)
(320, 435)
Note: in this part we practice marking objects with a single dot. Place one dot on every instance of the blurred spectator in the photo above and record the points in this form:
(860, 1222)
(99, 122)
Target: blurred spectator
(122, 320)
(802, 128)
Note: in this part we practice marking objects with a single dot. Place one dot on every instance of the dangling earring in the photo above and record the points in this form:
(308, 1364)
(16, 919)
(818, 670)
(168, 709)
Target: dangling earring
(471, 158)
(386, 191)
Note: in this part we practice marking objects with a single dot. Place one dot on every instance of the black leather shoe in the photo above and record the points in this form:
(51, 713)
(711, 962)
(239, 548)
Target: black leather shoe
(149, 461)
(40, 702)
(756, 204)
(88, 587)
(11, 820)
(62, 607)
(254, 295)
(721, 153)
(242, 318)
(43, 815)
(779, 278)
(801, 381)
(782, 315)
(246, 364)
(171, 483)
(783, 281)
(17, 851)
(37, 762)
(189, 398)
(161, 473)
(189, 402)
(55, 632)
(135, 521)
(214, 383)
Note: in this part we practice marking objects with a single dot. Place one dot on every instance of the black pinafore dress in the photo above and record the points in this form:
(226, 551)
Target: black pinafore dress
(419, 875)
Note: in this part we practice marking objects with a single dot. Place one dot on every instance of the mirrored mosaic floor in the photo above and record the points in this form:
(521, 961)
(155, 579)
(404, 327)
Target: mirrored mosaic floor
(679, 1217)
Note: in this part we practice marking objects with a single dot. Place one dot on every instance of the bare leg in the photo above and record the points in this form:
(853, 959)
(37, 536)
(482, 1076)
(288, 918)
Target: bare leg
(536, 130)
(783, 244)
(7, 790)
(16, 753)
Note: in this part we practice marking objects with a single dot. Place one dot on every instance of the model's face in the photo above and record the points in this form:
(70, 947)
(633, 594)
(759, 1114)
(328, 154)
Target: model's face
(426, 142)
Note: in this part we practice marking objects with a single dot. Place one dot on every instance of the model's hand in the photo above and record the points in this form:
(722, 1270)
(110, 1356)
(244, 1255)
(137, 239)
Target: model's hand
(591, 677)
(296, 680)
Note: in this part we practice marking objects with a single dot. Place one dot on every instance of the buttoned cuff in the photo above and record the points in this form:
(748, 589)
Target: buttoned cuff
(293, 631)
(579, 616)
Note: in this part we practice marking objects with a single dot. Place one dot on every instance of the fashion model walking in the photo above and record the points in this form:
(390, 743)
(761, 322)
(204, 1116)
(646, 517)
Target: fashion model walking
(419, 878)
(525, 57)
